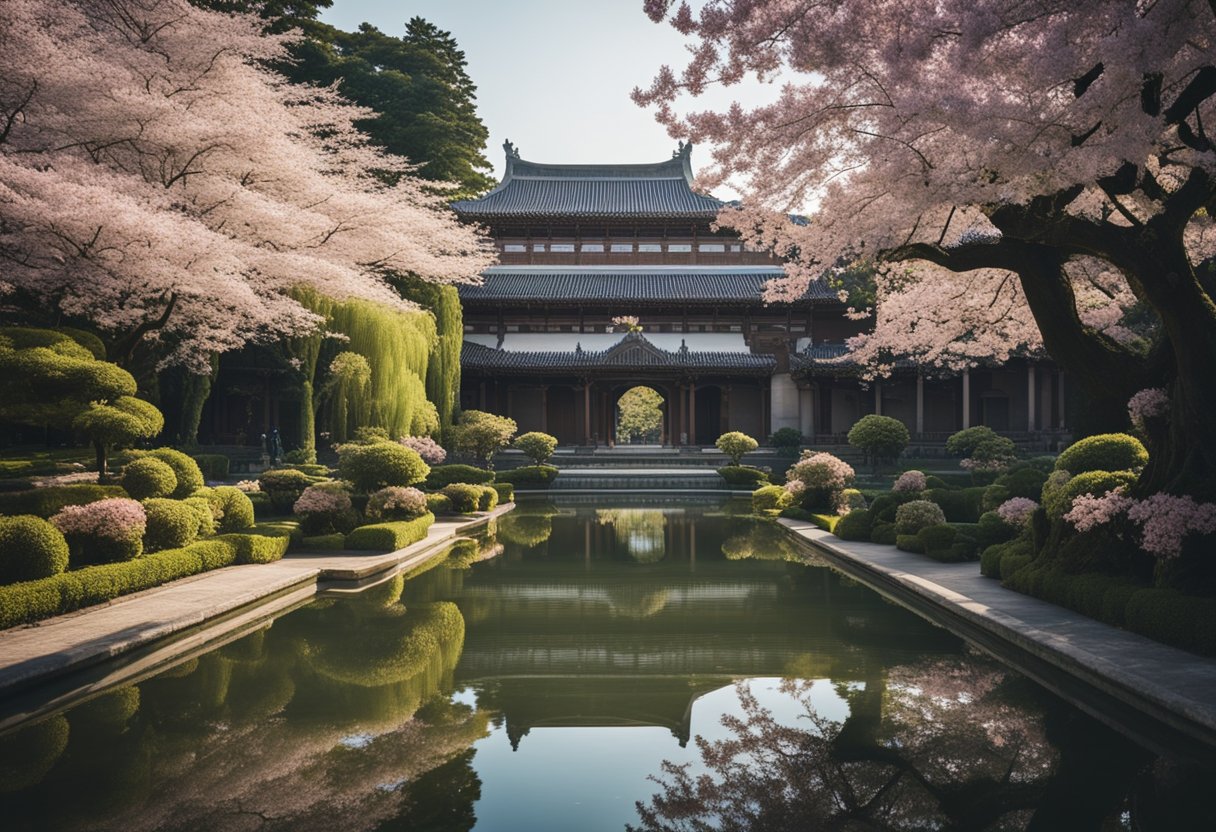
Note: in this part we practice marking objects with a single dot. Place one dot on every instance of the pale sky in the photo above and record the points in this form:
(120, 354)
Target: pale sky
(554, 76)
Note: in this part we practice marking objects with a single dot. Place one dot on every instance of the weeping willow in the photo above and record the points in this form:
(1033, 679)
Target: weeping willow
(443, 372)
(397, 346)
(345, 397)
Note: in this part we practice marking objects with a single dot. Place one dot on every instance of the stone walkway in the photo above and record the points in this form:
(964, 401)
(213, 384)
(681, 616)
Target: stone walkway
(1115, 674)
(71, 642)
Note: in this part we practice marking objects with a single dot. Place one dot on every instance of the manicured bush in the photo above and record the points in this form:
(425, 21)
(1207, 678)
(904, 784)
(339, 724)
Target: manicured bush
(536, 446)
(396, 503)
(324, 542)
(936, 541)
(913, 516)
(311, 469)
(325, 508)
(743, 475)
(34, 600)
(204, 514)
(442, 475)
(850, 500)
(438, 503)
(984, 449)
(380, 464)
(879, 437)
(189, 476)
(991, 529)
(171, 524)
(883, 533)
(103, 532)
(795, 513)
(148, 477)
(432, 452)
(213, 466)
(506, 492)
(464, 496)
(855, 525)
(911, 482)
(1012, 562)
(964, 442)
(909, 543)
(279, 528)
(46, 502)
(389, 537)
(531, 476)
(990, 561)
(786, 439)
(481, 435)
(883, 508)
(30, 548)
(960, 505)
(817, 479)
(487, 498)
(284, 486)
(236, 509)
(770, 498)
(1096, 483)
(1104, 452)
(735, 444)
(257, 548)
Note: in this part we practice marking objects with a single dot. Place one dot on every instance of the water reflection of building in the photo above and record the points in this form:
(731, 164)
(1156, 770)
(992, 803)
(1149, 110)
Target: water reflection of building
(578, 631)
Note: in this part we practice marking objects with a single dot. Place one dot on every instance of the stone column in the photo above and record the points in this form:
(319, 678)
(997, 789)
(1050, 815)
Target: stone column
(920, 404)
(784, 402)
(587, 413)
(966, 399)
(1031, 421)
(692, 413)
(806, 411)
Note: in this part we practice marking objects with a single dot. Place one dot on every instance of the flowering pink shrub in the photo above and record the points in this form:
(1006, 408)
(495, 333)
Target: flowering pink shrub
(822, 471)
(1166, 519)
(323, 498)
(1016, 511)
(249, 486)
(1149, 403)
(116, 518)
(426, 447)
(911, 517)
(910, 481)
(396, 502)
(1088, 511)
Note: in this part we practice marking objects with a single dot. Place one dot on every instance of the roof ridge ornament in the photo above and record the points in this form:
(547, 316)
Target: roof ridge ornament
(513, 151)
(684, 154)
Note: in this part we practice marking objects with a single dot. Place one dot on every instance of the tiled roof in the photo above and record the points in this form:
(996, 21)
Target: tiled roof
(633, 352)
(661, 190)
(693, 285)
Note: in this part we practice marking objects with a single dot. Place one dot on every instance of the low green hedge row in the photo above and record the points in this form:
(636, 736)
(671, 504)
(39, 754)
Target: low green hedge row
(45, 502)
(532, 476)
(743, 475)
(442, 475)
(506, 491)
(389, 537)
(34, 600)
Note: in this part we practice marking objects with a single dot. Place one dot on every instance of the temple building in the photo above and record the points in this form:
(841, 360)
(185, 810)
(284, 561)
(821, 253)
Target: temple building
(582, 245)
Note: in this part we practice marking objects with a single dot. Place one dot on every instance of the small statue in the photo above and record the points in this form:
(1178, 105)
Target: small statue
(512, 150)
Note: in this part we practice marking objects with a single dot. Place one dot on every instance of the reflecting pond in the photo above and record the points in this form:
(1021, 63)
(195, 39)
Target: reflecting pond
(581, 667)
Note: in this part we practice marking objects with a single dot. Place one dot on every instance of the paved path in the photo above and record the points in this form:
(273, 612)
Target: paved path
(71, 642)
(1114, 674)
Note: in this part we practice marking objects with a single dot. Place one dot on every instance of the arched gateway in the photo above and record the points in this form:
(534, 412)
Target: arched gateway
(582, 245)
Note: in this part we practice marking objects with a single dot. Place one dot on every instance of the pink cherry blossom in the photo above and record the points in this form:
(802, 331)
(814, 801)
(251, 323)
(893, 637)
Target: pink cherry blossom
(116, 518)
(432, 452)
(1016, 511)
(1166, 519)
(910, 481)
(1150, 403)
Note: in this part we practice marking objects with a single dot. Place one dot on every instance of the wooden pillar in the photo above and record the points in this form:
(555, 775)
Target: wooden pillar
(726, 425)
(544, 408)
(764, 411)
(920, 404)
(1031, 421)
(678, 436)
(966, 399)
(692, 413)
(878, 397)
(1060, 395)
(587, 413)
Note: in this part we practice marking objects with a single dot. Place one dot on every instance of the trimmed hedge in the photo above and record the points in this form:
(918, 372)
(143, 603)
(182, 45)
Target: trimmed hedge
(380, 464)
(827, 522)
(770, 498)
(147, 478)
(389, 537)
(324, 541)
(236, 506)
(171, 524)
(962, 505)
(536, 476)
(189, 476)
(884, 533)
(795, 513)
(46, 502)
(283, 486)
(464, 496)
(487, 500)
(743, 475)
(438, 503)
(213, 466)
(257, 548)
(909, 543)
(30, 548)
(506, 491)
(855, 525)
(442, 475)
(1058, 501)
(1104, 452)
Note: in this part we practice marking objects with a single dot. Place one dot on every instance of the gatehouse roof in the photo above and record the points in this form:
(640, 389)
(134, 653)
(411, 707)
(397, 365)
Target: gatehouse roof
(632, 352)
(641, 285)
(657, 190)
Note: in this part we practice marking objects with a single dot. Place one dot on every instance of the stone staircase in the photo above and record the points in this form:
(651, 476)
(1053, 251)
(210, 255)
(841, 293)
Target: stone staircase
(635, 479)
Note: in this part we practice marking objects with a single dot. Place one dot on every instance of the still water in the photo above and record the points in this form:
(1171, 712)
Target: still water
(588, 668)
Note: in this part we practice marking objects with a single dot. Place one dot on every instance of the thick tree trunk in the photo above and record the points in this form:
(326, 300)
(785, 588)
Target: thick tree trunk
(99, 449)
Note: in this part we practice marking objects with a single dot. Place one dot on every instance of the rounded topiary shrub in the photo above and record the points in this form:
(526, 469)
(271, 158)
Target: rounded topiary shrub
(205, 512)
(850, 500)
(325, 508)
(442, 475)
(855, 525)
(487, 500)
(771, 498)
(1105, 452)
(380, 464)
(148, 477)
(735, 444)
(396, 502)
(817, 479)
(463, 496)
(786, 439)
(105, 531)
(171, 524)
(1058, 500)
(236, 509)
(913, 516)
(189, 475)
(536, 445)
(30, 548)
(438, 503)
(283, 486)
(742, 475)
(880, 437)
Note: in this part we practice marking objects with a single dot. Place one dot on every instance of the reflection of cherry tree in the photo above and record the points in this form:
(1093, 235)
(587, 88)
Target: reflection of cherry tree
(938, 745)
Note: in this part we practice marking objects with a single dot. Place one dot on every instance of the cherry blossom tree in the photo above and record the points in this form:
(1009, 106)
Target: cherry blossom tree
(1012, 167)
(161, 185)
